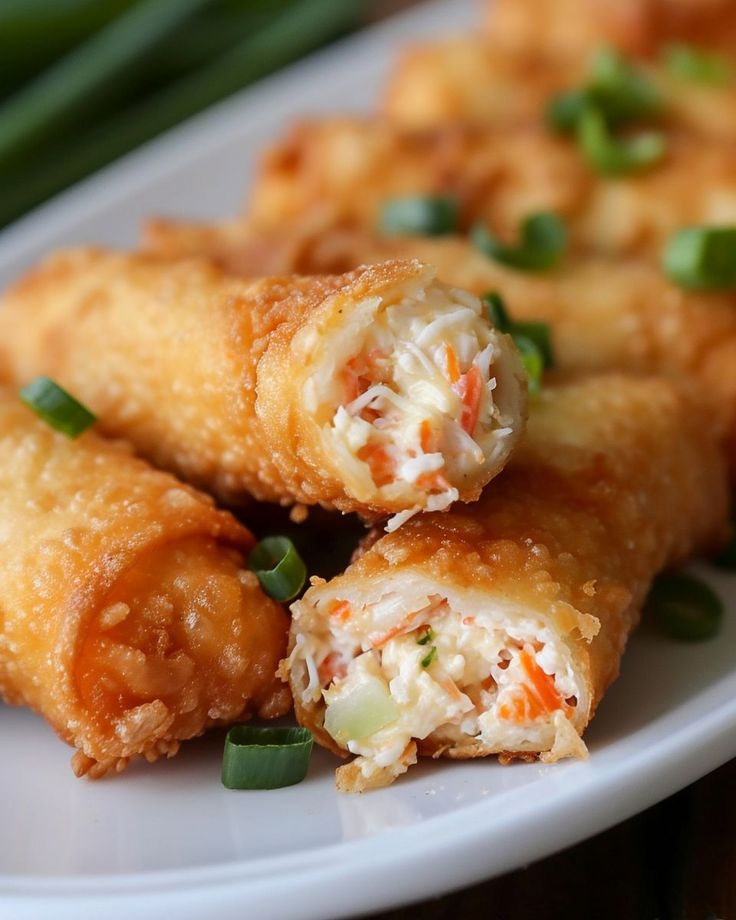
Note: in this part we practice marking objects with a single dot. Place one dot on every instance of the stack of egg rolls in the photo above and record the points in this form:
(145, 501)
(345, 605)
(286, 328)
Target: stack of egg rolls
(344, 170)
(382, 391)
(496, 628)
(128, 620)
(603, 314)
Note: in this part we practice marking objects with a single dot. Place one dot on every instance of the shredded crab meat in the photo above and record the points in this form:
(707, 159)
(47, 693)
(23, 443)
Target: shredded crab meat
(414, 397)
(452, 677)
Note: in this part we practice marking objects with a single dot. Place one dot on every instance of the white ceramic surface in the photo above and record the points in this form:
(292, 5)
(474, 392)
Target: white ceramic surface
(168, 841)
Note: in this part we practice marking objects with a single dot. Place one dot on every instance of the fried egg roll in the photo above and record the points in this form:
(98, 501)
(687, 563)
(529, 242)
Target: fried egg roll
(604, 314)
(570, 27)
(127, 620)
(470, 79)
(344, 170)
(383, 391)
(496, 629)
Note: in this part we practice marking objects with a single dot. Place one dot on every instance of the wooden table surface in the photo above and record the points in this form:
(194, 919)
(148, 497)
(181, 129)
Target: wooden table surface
(675, 861)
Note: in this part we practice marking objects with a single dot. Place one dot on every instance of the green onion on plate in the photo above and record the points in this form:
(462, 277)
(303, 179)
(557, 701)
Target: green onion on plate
(543, 240)
(702, 258)
(684, 607)
(56, 407)
(420, 215)
(279, 567)
(265, 758)
(615, 156)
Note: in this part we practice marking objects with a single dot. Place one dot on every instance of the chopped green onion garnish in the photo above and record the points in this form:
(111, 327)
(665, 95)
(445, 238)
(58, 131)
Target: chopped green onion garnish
(697, 65)
(56, 407)
(265, 758)
(426, 636)
(419, 215)
(429, 657)
(565, 109)
(543, 241)
(616, 88)
(539, 334)
(533, 361)
(616, 156)
(279, 567)
(497, 312)
(533, 339)
(620, 90)
(702, 258)
(684, 607)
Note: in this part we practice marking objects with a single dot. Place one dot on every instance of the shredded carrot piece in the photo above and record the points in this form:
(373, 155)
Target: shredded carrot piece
(472, 390)
(468, 621)
(543, 683)
(411, 621)
(433, 480)
(453, 368)
(341, 610)
(379, 461)
(425, 436)
(330, 669)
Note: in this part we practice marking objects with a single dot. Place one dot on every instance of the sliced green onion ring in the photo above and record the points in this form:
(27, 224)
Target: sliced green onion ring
(429, 657)
(684, 607)
(265, 758)
(56, 407)
(497, 312)
(538, 333)
(702, 258)
(543, 240)
(533, 361)
(696, 65)
(420, 215)
(621, 90)
(279, 567)
(426, 636)
(565, 109)
(616, 156)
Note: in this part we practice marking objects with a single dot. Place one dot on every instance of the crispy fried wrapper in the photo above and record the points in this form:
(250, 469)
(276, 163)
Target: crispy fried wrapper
(128, 619)
(642, 27)
(604, 314)
(382, 391)
(343, 171)
(473, 80)
(496, 629)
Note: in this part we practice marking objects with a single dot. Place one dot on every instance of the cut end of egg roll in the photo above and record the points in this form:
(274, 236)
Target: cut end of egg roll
(496, 628)
(417, 398)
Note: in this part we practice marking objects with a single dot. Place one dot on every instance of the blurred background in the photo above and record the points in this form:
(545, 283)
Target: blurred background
(82, 82)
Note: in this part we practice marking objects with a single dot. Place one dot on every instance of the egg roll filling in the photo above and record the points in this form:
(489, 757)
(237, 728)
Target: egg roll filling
(415, 402)
(449, 669)
(171, 650)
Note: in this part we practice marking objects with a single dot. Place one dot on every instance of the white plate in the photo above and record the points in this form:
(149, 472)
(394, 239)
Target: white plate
(167, 841)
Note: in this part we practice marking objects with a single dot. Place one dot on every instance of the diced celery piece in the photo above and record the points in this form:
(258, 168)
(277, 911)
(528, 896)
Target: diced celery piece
(360, 711)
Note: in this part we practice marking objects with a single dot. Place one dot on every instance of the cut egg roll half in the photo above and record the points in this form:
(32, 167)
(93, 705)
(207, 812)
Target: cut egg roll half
(496, 628)
(383, 391)
(128, 619)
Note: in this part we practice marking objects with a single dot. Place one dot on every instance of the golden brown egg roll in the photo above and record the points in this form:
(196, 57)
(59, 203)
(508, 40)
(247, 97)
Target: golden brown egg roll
(470, 79)
(382, 391)
(604, 314)
(344, 170)
(569, 27)
(496, 628)
(127, 619)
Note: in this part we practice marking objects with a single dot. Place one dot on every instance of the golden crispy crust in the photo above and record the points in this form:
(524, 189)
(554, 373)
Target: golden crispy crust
(341, 171)
(104, 561)
(473, 80)
(617, 478)
(203, 372)
(568, 27)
